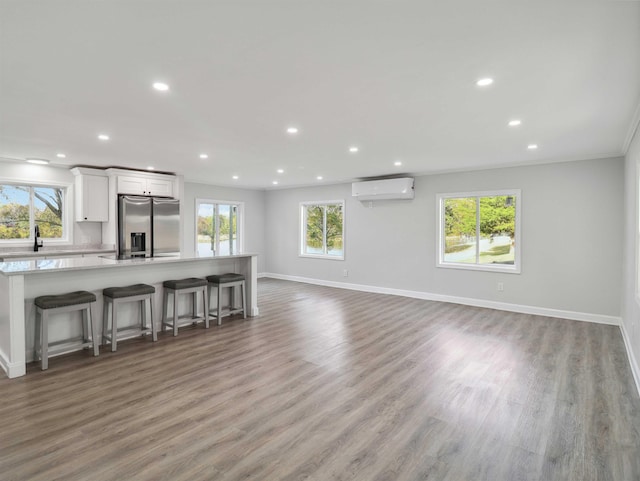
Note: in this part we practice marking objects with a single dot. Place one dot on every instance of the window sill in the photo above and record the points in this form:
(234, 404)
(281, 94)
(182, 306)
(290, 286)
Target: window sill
(28, 244)
(481, 267)
(330, 258)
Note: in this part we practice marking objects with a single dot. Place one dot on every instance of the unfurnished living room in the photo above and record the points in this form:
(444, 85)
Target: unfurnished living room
(319, 240)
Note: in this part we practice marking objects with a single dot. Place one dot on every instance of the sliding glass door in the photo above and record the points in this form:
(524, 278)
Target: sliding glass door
(218, 229)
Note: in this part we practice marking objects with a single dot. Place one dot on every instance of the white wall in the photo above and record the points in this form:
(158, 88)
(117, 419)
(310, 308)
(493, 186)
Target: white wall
(82, 232)
(254, 212)
(571, 245)
(631, 304)
(571, 249)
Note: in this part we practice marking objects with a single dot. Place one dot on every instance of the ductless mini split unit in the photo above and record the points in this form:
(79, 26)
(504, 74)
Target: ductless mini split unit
(384, 189)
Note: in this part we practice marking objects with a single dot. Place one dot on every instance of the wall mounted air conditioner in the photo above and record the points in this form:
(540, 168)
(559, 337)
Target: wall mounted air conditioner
(385, 189)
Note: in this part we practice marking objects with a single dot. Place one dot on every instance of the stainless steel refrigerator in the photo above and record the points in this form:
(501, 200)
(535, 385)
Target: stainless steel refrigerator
(148, 226)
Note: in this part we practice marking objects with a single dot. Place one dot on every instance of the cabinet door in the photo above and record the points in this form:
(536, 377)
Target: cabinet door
(160, 187)
(95, 198)
(92, 198)
(132, 185)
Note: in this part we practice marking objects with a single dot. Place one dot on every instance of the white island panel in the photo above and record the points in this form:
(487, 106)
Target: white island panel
(12, 326)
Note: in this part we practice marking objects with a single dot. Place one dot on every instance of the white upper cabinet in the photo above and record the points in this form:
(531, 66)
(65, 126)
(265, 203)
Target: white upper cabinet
(131, 185)
(91, 195)
(161, 187)
(143, 185)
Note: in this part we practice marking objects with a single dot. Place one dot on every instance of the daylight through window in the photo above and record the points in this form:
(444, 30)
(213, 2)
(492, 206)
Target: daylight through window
(218, 230)
(480, 230)
(322, 229)
(22, 207)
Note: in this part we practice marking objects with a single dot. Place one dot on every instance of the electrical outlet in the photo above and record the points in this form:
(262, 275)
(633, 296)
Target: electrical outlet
(345, 273)
(500, 286)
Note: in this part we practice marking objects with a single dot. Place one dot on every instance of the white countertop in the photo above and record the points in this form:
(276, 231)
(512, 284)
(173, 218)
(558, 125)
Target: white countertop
(83, 263)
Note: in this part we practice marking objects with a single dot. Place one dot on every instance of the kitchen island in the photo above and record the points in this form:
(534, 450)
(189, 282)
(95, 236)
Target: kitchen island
(22, 281)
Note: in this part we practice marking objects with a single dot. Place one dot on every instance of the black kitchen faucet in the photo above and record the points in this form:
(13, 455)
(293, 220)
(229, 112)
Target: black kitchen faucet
(37, 242)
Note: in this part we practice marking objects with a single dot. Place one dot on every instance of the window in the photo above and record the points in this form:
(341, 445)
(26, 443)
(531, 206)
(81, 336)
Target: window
(218, 227)
(480, 230)
(322, 232)
(22, 207)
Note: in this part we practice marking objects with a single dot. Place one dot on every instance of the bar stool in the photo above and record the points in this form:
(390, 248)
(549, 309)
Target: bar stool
(232, 281)
(73, 301)
(114, 296)
(191, 285)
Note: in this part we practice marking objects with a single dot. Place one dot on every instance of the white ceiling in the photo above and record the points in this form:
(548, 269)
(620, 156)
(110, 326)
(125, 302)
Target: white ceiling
(395, 78)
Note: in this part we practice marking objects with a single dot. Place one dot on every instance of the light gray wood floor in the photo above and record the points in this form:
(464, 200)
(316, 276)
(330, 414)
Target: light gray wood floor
(330, 384)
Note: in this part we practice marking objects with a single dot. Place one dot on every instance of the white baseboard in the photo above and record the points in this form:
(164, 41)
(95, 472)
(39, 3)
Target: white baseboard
(11, 369)
(262, 274)
(501, 306)
(635, 369)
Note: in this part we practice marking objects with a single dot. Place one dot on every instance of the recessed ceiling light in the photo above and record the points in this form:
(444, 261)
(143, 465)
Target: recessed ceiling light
(319, 177)
(235, 177)
(397, 163)
(161, 86)
(103, 137)
(532, 146)
(61, 156)
(515, 123)
(353, 149)
(483, 82)
(292, 130)
(38, 161)
(204, 156)
(275, 182)
(151, 168)
(280, 171)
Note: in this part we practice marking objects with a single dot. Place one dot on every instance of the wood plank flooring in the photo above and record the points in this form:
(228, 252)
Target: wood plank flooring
(329, 384)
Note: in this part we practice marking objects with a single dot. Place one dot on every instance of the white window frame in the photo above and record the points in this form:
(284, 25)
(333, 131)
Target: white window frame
(67, 205)
(239, 223)
(303, 230)
(440, 241)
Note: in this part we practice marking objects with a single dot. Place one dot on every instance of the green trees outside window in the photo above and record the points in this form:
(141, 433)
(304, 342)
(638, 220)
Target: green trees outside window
(479, 229)
(22, 207)
(323, 229)
(217, 231)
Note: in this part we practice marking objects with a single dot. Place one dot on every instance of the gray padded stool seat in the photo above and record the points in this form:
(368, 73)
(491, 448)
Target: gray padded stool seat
(191, 285)
(231, 280)
(114, 296)
(73, 301)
